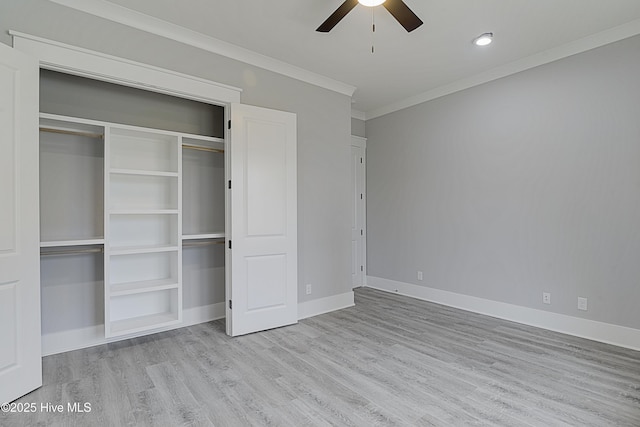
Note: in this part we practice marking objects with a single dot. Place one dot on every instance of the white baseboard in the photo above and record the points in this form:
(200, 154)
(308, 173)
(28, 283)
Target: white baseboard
(207, 313)
(325, 305)
(76, 339)
(598, 331)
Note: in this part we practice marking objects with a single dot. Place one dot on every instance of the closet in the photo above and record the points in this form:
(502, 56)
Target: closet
(132, 219)
(127, 240)
(112, 219)
(132, 211)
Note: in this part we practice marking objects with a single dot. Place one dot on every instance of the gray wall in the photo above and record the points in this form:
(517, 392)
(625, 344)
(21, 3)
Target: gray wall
(324, 127)
(358, 127)
(527, 184)
(75, 96)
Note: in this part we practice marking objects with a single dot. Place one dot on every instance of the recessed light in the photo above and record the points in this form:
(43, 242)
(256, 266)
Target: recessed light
(483, 39)
(371, 3)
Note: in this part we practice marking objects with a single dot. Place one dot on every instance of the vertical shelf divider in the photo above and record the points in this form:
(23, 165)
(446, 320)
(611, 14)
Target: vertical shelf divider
(107, 249)
(143, 228)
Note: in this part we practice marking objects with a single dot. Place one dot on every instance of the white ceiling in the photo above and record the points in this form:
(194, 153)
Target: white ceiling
(406, 68)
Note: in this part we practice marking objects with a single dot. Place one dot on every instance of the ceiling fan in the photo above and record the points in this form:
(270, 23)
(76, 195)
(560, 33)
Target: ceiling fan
(397, 8)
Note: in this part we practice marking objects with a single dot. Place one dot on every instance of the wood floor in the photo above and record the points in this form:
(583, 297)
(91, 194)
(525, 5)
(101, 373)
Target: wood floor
(390, 360)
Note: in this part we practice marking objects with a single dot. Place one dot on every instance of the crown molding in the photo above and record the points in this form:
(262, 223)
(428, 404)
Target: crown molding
(149, 24)
(357, 114)
(593, 41)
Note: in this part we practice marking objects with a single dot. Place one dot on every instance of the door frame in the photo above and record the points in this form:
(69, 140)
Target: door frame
(82, 62)
(361, 142)
(72, 60)
(21, 363)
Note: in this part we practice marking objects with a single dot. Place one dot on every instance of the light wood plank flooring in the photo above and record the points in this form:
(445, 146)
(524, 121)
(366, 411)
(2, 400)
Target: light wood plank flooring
(390, 360)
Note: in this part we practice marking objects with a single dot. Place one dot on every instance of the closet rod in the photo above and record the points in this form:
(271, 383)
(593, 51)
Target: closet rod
(72, 252)
(198, 147)
(212, 242)
(72, 132)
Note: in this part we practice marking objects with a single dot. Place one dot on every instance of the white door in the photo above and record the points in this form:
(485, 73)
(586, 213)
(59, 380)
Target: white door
(20, 349)
(357, 211)
(262, 286)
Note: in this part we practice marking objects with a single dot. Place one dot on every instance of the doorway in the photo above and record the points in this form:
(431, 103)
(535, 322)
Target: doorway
(358, 212)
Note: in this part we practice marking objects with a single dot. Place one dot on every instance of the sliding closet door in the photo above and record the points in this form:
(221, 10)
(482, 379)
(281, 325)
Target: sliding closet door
(20, 353)
(262, 246)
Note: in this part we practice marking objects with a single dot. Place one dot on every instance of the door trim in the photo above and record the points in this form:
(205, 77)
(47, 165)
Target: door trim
(77, 61)
(362, 143)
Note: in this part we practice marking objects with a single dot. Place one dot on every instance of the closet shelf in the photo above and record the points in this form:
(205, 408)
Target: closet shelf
(143, 212)
(121, 289)
(72, 132)
(218, 235)
(202, 148)
(132, 250)
(65, 243)
(143, 323)
(193, 243)
(200, 139)
(71, 252)
(143, 172)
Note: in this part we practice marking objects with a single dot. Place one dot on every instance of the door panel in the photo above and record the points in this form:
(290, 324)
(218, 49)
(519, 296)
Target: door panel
(20, 351)
(266, 179)
(266, 279)
(357, 213)
(263, 226)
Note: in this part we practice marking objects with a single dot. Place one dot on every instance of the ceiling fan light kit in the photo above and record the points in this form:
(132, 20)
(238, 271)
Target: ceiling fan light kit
(371, 3)
(397, 8)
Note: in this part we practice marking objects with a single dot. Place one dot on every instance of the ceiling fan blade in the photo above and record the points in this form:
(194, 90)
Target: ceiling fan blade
(337, 16)
(403, 14)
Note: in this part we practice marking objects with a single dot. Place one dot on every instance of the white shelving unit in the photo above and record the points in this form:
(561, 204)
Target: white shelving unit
(118, 203)
(143, 225)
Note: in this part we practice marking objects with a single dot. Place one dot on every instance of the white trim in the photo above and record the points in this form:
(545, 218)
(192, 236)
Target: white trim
(325, 305)
(76, 339)
(593, 41)
(86, 63)
(357, 114)
(598, 331)
(149, 24)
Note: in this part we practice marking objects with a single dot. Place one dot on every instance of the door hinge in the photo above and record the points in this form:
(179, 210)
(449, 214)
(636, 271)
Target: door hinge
(229, 184)
(360, 196)
(362, 268)
(361, 232)
(229, 244)
(360, 159)
(229, 125)
(230, 305)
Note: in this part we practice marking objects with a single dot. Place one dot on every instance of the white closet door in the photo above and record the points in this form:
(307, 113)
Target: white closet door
(263, 283)
(357, 211)
(20, 350)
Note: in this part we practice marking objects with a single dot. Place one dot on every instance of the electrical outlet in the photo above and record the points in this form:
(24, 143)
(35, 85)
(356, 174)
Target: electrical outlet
(546, 297)
(419, 275)
(582, 303)
(309, 289)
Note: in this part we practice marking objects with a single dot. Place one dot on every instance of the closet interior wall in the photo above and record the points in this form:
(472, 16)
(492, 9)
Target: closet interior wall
(72, 195)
